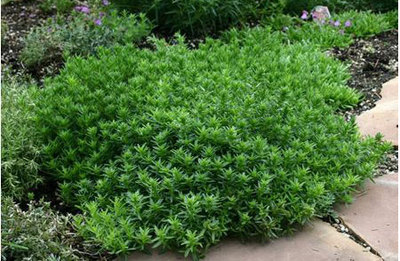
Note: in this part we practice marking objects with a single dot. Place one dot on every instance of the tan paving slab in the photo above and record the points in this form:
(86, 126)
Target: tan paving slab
(384, 117)
(390, 90)
(318, 241)
(374, 216)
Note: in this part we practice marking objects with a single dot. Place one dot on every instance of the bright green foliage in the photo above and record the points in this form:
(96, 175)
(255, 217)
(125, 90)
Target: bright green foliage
(177, 148)
(20, 149)
(39, 233)
(200, 17)
(81, 36)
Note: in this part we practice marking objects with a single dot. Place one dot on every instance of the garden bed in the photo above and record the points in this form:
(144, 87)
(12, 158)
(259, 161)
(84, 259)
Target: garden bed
(20, 17)
(373, 61)
(182, 144)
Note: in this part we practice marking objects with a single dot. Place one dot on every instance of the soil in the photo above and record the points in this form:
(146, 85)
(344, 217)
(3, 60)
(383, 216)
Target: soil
(373, 61)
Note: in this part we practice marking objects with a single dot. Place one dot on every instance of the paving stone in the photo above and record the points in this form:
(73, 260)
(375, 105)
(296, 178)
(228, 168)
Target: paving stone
(390, 90)
(373, 216)
(318, 241)
(382, 118)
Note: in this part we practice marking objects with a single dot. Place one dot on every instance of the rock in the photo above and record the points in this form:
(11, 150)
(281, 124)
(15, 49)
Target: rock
(373, 216)
(320, 14)
(383, 118)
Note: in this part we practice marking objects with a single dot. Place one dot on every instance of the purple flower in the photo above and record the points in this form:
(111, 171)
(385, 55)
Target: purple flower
(347, 23)
(101, 14)
(336, 24)
(341, 32)
(106, 2)
(304, 15)
(83, 9)
(97, 22)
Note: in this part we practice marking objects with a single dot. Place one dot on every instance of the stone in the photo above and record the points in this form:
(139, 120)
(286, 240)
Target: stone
(320, 14)
(383, 118)
(389, 90)
(318, 241)
(373, 216)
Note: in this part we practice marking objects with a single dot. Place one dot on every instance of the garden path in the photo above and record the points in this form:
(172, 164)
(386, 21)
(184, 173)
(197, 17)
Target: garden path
(382, 118)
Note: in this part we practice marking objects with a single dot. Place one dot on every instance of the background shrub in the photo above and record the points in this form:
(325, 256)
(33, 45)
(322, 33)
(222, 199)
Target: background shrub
(295, 7)
(177, 148)
(200, 17)
(327, 35)
(62, 6)
(20, 149)
(81, 35)
(367, 23)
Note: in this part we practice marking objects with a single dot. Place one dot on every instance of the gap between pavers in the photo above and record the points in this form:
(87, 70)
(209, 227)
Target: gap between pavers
(373, 216)
(318, 241)
(383, 117)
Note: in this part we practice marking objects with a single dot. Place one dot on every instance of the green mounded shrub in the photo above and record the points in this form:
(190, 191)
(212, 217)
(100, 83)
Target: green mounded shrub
(178, 148)
(81, 35)
(20, 148)
(201, 17)
(39, 233)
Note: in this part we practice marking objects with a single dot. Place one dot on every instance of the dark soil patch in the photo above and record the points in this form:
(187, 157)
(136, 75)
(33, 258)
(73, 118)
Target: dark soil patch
(373, 61)
(20, 17)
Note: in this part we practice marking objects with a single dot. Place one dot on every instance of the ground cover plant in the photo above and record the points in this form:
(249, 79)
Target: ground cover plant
(178, 148)
(34, 234)
(39, 233)
(20, 148)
